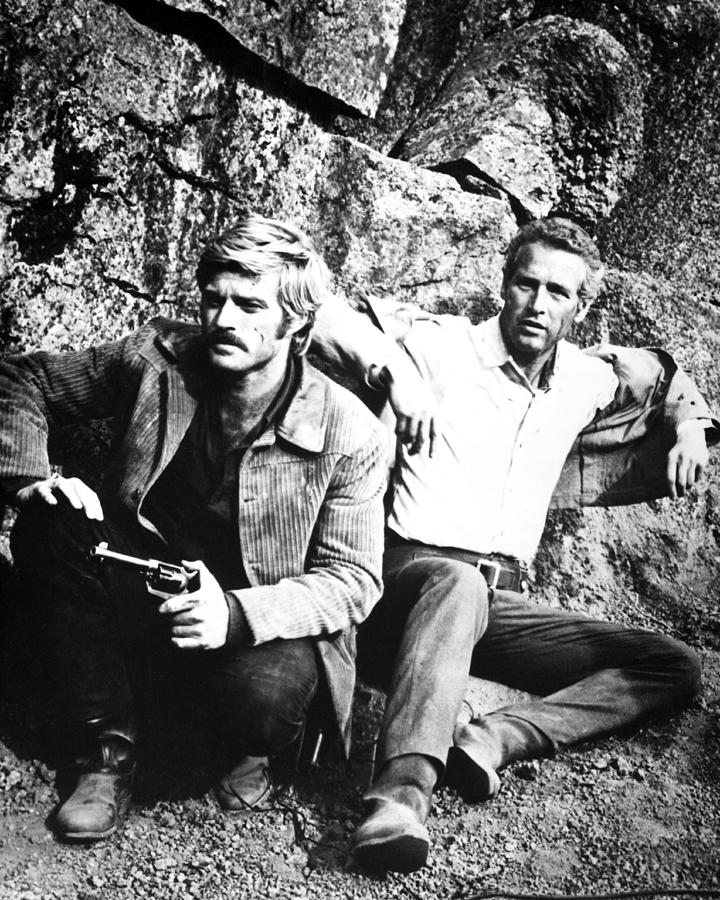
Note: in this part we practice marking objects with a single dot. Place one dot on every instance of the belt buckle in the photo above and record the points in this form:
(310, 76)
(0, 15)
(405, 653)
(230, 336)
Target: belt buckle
(494, 566)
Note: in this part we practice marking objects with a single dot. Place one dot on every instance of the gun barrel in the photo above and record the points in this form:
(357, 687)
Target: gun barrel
(162, 579)
(101, 551)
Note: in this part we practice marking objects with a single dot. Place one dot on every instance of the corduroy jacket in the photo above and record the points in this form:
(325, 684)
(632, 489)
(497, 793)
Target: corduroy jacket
(310, 488)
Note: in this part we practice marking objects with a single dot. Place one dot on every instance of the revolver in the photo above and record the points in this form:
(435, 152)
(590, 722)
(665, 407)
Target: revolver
(162, 579)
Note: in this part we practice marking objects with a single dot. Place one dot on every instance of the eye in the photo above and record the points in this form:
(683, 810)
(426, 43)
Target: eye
(559, 291)
(525, 284)
(248, 304)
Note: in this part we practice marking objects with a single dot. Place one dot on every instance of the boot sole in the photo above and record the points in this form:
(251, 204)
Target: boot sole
(473, 782)
(402, 853)
(85, 837)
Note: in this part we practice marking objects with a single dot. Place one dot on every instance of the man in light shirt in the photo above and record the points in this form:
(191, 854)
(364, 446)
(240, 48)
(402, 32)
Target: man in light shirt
(466, 518)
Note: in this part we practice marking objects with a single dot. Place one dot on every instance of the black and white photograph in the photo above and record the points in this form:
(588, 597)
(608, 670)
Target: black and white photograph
(359, 491)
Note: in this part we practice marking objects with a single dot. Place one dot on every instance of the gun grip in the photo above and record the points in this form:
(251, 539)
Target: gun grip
(193, 582)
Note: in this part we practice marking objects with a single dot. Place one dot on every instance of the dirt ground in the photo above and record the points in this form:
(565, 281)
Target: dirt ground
(625, 814)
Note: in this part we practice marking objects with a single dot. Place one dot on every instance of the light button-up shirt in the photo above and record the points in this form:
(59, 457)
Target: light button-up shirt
(503, 443)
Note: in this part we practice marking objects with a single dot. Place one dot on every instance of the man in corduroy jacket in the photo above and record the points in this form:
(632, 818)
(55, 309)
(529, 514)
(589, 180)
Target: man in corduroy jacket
(231, 456)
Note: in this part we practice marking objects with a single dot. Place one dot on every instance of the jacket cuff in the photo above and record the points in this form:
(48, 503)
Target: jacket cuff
(10, 486)
(239, 632)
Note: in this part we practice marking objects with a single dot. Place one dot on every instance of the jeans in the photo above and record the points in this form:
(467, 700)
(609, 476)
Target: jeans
(435, 625)
(102, 642)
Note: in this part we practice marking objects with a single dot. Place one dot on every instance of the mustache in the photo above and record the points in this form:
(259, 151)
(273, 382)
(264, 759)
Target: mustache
(224, 337)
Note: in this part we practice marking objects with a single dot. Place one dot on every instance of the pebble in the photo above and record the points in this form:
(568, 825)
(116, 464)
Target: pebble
(622, 766)
(527, 770)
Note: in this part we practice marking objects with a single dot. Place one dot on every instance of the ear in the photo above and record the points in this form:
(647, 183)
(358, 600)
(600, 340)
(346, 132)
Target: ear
(300, 331)
(503, 289)
(582, 310)
(296, 322)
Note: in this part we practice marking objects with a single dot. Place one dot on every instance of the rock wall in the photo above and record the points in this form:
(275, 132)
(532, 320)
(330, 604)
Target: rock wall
(410, 139)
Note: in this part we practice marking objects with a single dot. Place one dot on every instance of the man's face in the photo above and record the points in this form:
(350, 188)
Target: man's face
(541, 300)
(243, 322)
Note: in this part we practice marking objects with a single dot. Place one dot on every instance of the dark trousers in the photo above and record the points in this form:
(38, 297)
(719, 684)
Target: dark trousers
(435, 625)
(100, 637)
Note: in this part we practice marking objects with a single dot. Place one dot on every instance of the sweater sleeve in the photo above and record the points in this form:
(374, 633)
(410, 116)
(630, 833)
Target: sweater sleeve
(342, 579)
(39, 390)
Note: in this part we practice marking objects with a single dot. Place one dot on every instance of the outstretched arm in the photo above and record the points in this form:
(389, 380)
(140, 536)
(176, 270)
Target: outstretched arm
(649, 377)
(350, 341)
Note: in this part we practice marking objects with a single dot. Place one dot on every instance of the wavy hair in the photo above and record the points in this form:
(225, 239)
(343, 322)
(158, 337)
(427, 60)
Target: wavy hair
(561, 234)
(256, 246)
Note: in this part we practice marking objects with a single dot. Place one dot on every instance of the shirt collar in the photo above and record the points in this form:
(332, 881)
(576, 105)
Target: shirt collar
(489, 343)
(302, 422)
(494, 353)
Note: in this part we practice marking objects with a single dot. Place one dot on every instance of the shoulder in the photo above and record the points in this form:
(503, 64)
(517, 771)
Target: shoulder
(586, 374)
(575, 362)
(438, 343)
(447, 327)
(161, 340)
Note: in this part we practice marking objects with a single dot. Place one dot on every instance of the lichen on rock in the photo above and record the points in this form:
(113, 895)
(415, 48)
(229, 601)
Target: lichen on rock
(550, 112)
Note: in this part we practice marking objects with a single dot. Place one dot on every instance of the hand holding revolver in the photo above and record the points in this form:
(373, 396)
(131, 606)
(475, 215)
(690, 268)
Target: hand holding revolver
(199, 618)
(192, 597)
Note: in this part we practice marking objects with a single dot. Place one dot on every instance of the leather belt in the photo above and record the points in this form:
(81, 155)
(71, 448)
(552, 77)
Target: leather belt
(502, 573)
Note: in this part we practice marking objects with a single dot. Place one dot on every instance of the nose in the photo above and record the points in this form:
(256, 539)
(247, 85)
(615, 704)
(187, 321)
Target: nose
(224, 315)
(539, 299)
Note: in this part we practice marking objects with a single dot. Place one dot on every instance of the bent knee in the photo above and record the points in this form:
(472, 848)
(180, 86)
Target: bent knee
(265, 714)
(682, 665)
(270, 723)
(448, 574)
(453, 589)
(51, 532)
(690, 670)
(39, 523)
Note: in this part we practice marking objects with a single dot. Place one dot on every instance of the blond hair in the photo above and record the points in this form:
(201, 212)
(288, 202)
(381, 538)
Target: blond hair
(256, 246)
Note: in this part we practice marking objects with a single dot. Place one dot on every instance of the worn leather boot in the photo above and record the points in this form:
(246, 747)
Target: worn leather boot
(485, 745)
(247, 786)
(105, 766)
(393, 836)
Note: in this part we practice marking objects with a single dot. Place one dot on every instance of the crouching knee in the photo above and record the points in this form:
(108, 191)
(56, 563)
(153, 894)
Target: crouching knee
(45, 531)
(269, 724)
(262, 708)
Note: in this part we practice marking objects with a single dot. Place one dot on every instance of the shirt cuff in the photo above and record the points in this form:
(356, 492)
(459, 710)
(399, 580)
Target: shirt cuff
(686, 424)
(238, 633)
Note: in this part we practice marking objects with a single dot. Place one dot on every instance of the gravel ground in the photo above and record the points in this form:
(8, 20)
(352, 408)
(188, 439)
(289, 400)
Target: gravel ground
(619, 815)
